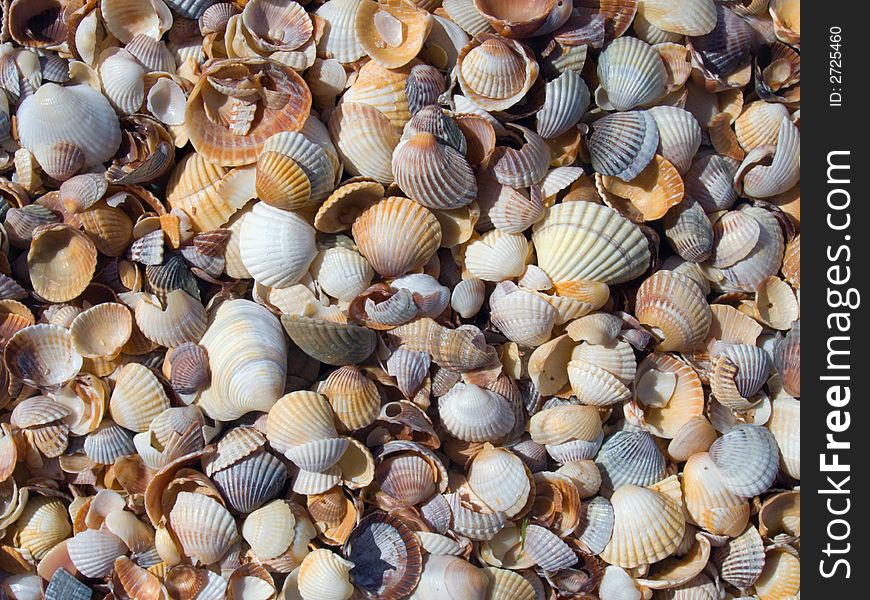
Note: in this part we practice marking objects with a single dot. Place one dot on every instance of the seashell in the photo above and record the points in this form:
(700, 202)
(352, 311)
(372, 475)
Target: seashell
(497, 256)
(340, 40)
(632, 544)
(617, 583)
(675, 309)
(495, 72)
(450, 578)
(759, 124)
(365, 140)
(110, 229)
(251, 482)
(653, 191)
(51, 124)
(152, 54)
(500, 480)
(123, 81)
(689, 231)
(780, 577)
(738, 374)
(345, 204)
(61, 262)
(630, 457)
(102, 330)
(204, 529)
(710, 182)
(82, 191)
(285, 433)
(433, 174)
(623, 144)
(560, 424)
(383, 539)
(695, 435)
(277, 27)
(354, 398)
(461, 349)
(598, 328)
(189, 368)
(247, 358)
(776, 304)
(547, 550)
(238, 137)
(134, 579)
(474, 414)
(758, 265)
(329, 342)
(396, 235)
(276, 246)
(595, 386)
(64, 585)
(324, 575)
(687, 17)
(342, 273)
(787, 359)
(523, 167)
(741, 560)
(548, 365)
(670, 392)
(43, 523)
(423, 86)
(138, 398)
(391, 33)
(94, 552)
(597, 523)
(21, 223)
(730, 452)
(726, 47)
(631, 74)
(709, 502)
(567, 98)
(183, 319)
(43, 356)
(679, 135)
(566, 227)
(107, 443)
(277, 179)
(521, 316)
(783, 171)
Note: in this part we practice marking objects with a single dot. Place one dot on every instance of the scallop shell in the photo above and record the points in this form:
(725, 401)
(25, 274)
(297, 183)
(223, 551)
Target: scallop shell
(249, 483)
(61, 262)
(102, 330)
(525, 166)
(497, 256)
(500, 479)
(547, 550)
(653, 191)
(94, 552)
(138, 398)
(181, 320)
(676, 309)
(299, 418)
(276, 246)
(239, 137)
(423, 86)
(623, 144)
(726, 47)
(785, 412)
(386, 557)
(107, 443)
(594, 386)
(205, 530)
(328, 342)
(82, 191)
(324, 575)
(560, 424)
(474, 414)
(679, 135)
(433, 174)
(689, 231)
(710, 182)
(696, 435)
(666, 413)
(685, 17)
(573, 239)
(744, 476)
(340, 40)
(123, 81)
(342, 272)
(708, 501)
(631, 74)
(776, 304)
(392, 33)
(781, 576)
(741, 560)
(495, 72)
(75, 119)
(365, 139)
(521, 316)
(630, 457)
(759, 124)
(354, 398)
(247, 358)
(648, 526)
(782, 173)
(397, 235)
(764, 258)
(450, 578)
(43, 356)
(43, 523)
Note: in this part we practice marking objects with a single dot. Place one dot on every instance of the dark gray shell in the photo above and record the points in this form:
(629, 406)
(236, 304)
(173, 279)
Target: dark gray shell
(623, 144)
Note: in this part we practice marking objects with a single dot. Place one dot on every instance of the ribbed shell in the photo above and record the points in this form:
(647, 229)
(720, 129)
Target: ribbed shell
(710, 181)
(673, 305)
(585, 241)
(741, 560)
(726, 47)
(595, 386)
(500, 479)
(433, 174)
(648, 526)
(397, 235)
(630, 457)
(138, 398)
(689, 231)
(276, 246)
(298, 418)
(94, 552)
(596, 524)
(522, 316)
(474, 414)
(386, 556)
(631, 74)
(365, 139)
(623, 144)
(354, 398)
(497, 256)
(525, 166)
(495, 72)
(708, 501)
(43, 356)
(329, 342)
(547, 550)
(679, 135)
(748, 457)
(566, 100)
(339, 40)
(252, 481)
(204, 528)
(685, 402)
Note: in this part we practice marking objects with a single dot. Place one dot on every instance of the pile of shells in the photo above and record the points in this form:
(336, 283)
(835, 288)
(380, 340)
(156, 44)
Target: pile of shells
(409, 299)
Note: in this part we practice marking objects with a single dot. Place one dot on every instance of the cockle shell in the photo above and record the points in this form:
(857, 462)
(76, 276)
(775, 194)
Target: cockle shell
(392, 33)
(433, 174)
(474, 414)
(247, 358)
(495, 72)
(708, 500)
(730, 452)
(381, 539)
(497, 256)
(203, 527)
(521, 316)
(501, 480)
(276, 246)
(686, 17)
(631, 74)
(623, 144)
(630, 457)
(324, 575)
(365, 139)
(674, 307)
(43, 356)
(68, 128)
(61, 262)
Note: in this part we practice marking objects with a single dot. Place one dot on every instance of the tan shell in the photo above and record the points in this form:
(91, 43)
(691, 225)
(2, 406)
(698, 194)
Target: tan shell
(61, 262)
(495, 72)
(102, 330)
(43, 356)
(676, 310)
(392, 33)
